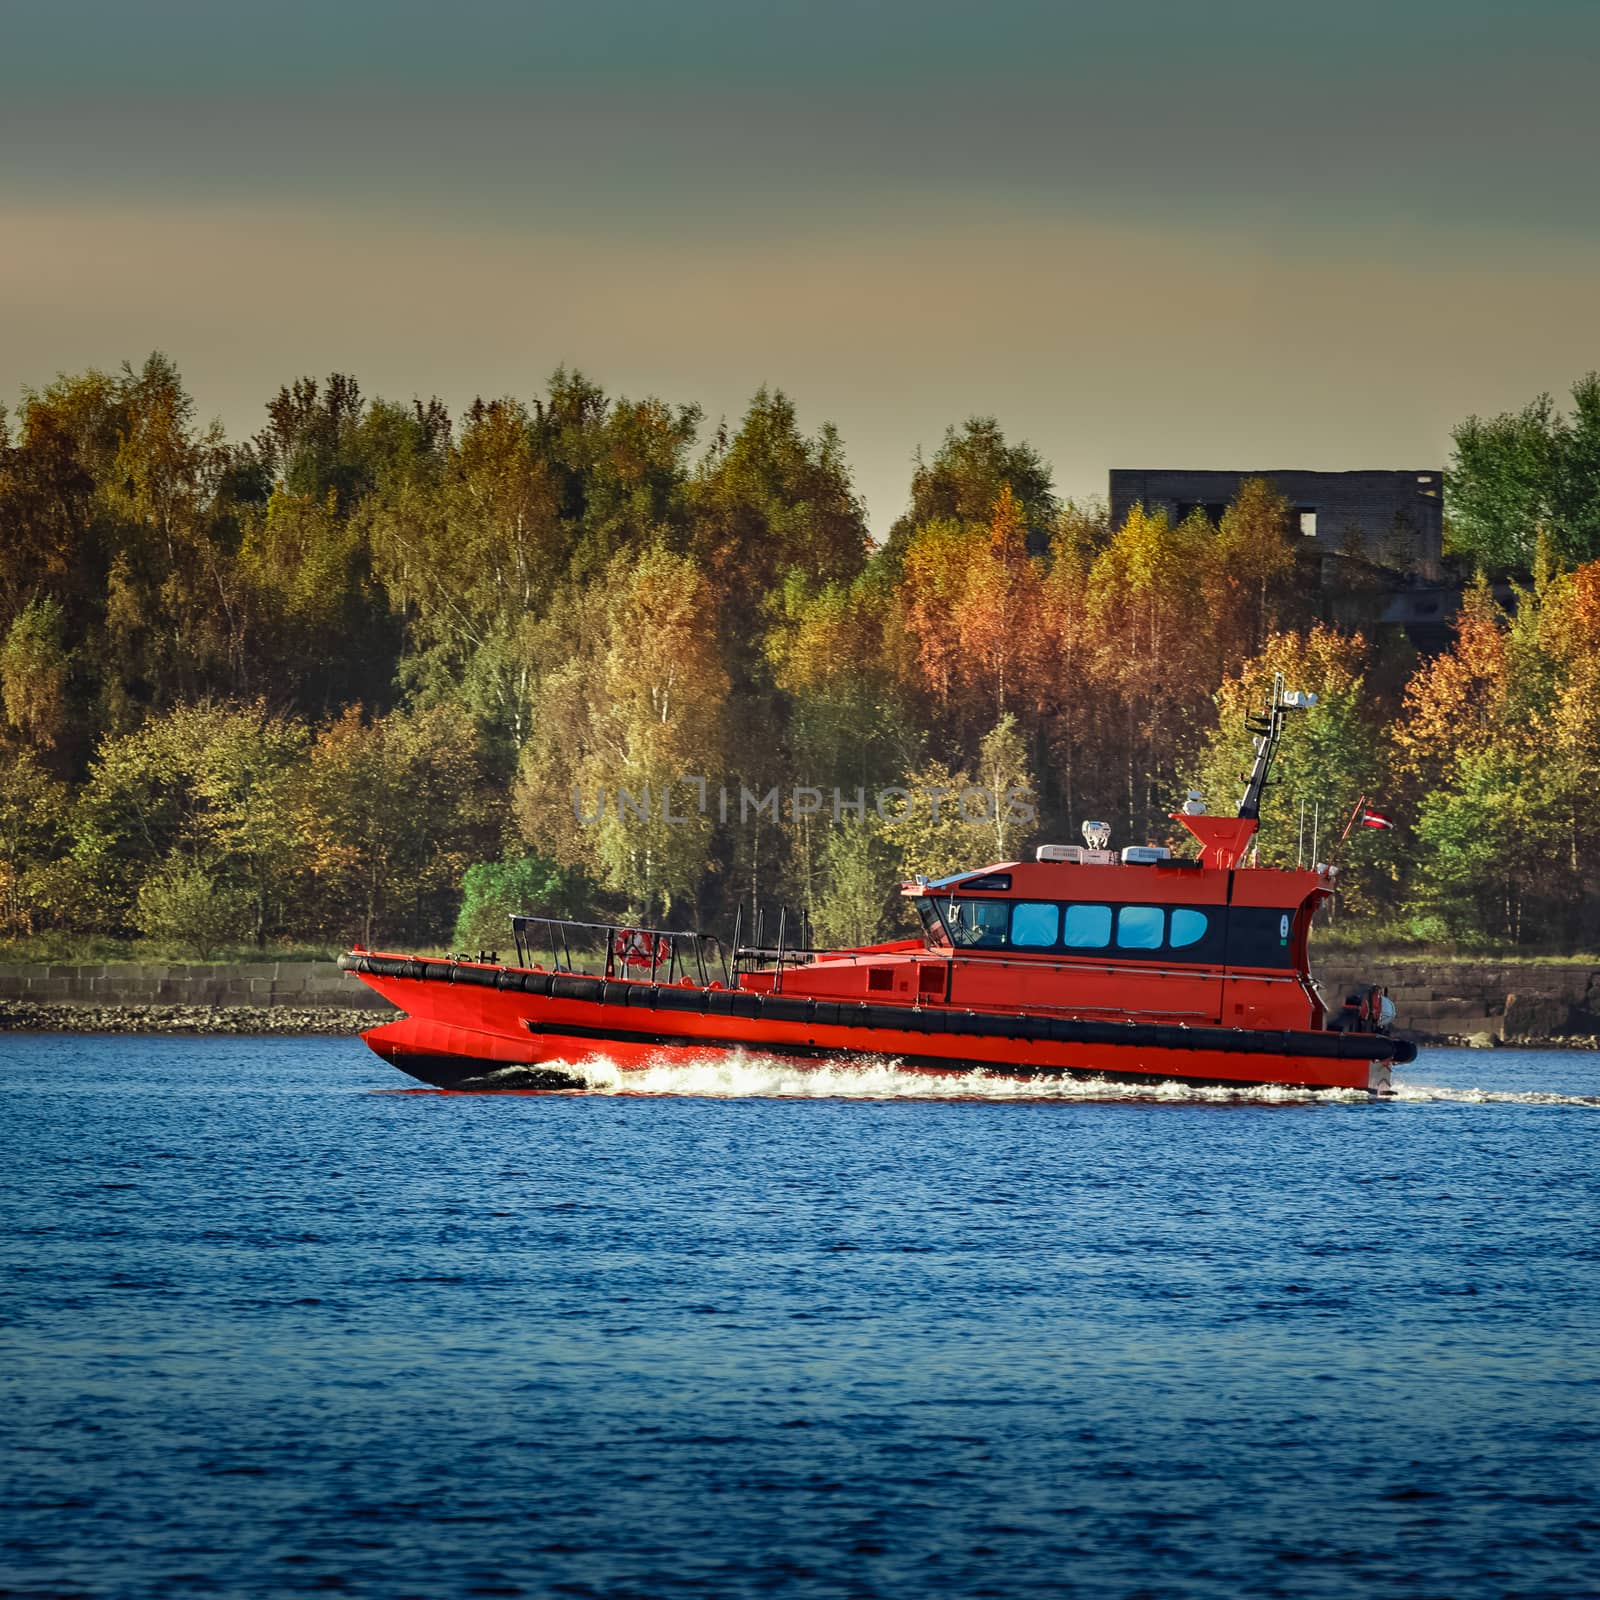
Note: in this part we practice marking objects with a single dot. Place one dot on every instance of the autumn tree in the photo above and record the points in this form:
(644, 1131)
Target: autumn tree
(1071, 720)
(390, 814)
(834, 655)
(1330, 757)
(629, 700)
(34, 669)
(1499, 743)
(1244, 571)
(206, 786)
(1152, 641)
(972, 601)
(38, 887)
(768, 500)
(973, 466)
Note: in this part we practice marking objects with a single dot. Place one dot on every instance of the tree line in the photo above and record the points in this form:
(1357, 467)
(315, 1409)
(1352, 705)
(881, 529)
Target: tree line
(364, 675)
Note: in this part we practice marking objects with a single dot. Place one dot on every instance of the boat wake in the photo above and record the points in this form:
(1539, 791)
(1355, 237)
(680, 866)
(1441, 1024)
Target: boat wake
(755, 1077)
(1429, 1093)
(743, 1076)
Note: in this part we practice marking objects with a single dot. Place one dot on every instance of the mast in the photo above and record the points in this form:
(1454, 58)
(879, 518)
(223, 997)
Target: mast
(1268, 732)
(1224, 841)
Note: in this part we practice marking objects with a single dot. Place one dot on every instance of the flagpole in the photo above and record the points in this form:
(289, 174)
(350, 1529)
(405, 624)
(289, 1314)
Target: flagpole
(1361, 805)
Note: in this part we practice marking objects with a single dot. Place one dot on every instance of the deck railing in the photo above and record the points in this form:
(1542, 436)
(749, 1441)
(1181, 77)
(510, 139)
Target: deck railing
(621, 950)
(657, 955)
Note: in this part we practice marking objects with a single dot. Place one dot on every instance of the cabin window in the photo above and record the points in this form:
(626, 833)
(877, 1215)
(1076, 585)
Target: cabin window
(1087, 928)
(961, 880)
(1188, 927)
(1140, 927)
(1034, 925)
(978, 924)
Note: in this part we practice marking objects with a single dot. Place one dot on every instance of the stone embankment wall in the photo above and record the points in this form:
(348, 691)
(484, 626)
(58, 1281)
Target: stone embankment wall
(303, 985)
(1470, 999)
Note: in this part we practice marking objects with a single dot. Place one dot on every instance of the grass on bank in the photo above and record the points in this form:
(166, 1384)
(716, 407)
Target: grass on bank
(1427, 939)
(86, 950)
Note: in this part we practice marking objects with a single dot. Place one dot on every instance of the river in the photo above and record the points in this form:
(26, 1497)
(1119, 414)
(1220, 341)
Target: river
(275, 1324)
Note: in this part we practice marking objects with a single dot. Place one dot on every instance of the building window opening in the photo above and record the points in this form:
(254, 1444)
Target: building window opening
(1307, 516)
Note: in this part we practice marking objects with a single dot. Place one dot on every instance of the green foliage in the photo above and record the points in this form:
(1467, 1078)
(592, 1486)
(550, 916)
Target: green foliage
(183, 904)
(390, 813)
(34, 667)
(38, 888)
(855, 903)
(631, 704)
(492, 892)
(1003, 770)
(773, 499)
(967, 475)
(205, 782)
(1525, 474)
(1487, 841)
(1330, 757)
(942, 827)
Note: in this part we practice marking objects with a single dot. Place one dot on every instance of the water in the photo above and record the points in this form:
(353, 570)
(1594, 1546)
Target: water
(273, 1325)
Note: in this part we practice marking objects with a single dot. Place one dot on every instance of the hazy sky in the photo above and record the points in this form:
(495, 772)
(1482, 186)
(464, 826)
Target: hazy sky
(1144, 233)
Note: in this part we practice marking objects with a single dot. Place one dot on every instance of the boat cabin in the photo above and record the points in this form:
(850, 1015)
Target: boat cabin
(1139, 936)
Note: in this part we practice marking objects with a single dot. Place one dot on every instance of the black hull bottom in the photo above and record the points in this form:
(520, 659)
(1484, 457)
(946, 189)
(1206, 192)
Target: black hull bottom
(473, 1076)
(469, 1075)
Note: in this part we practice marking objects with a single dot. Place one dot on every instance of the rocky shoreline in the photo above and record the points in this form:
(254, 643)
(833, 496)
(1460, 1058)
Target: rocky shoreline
(25, 1016)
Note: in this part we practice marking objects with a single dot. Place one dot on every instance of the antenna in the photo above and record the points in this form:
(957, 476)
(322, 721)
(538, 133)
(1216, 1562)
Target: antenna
(1267, 731)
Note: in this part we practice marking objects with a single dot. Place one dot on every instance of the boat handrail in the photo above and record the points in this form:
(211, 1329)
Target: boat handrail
(666, 951)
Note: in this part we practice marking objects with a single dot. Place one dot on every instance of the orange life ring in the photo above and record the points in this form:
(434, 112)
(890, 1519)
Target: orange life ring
(636, 948)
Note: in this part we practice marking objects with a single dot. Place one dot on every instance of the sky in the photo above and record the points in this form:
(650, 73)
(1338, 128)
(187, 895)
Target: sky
(1143, 233)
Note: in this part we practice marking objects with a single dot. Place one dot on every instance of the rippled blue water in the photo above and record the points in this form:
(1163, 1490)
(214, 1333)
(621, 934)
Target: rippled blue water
(273, 1325)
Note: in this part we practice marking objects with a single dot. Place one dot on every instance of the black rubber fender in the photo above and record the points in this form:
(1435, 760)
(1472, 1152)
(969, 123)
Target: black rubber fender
(670, 999)
(787, 1008)
(572, 986)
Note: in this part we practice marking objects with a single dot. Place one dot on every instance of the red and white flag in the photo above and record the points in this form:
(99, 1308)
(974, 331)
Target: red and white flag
(1375, 819)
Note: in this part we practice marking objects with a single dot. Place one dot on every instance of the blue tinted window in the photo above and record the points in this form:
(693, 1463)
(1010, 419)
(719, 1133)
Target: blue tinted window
(1087, 927)
(1034, 924)
(1188, 927)
(1140, 927)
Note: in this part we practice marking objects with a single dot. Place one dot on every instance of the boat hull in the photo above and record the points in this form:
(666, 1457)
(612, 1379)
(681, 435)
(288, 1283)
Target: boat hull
(473, 1026)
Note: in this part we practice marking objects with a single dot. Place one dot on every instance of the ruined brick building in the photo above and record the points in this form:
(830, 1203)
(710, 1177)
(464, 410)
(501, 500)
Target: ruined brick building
(1371, 542)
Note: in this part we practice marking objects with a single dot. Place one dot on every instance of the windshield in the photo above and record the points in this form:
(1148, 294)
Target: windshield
(977, 924)
(932, 926)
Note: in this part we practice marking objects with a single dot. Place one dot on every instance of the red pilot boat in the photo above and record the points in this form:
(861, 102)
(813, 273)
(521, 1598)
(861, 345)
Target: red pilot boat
(1138, 967)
